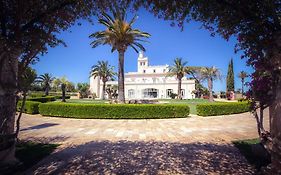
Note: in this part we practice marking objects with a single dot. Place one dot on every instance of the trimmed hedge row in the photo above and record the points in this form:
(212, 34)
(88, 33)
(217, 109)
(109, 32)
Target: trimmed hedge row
(42, 99)
(222, 108)
(116, 111)
(60, 97)
(31, 107)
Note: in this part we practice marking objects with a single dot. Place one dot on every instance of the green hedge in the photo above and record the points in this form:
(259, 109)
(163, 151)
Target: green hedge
(43, 99)
(31, 107)
(60, 97)
(116, 111)
(222, 108)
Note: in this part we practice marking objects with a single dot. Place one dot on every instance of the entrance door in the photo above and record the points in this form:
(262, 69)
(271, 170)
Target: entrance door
(150, 93)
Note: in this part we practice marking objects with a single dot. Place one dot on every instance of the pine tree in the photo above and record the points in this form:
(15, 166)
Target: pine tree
(230, 77)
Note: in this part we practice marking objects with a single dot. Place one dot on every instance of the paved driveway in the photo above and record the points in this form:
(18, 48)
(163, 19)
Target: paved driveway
(194, 145)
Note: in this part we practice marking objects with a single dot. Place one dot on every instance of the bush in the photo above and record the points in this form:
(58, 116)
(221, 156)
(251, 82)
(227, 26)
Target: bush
(31, 107)
(36, 94)
(42, 99)
(116, 111)
(60, 97)
(243, 100)
(222, 108)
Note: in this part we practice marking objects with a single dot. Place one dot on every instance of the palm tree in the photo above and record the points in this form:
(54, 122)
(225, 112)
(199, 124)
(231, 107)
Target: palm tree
(210, 74)
(63, 84)
(242, 75)
(179, 69)
(56, 84)
(120, 35)
(105, 72)
(46, 81)
(83, 89)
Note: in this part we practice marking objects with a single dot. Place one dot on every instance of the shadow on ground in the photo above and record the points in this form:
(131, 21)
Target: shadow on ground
(41, 126)
(125, 157)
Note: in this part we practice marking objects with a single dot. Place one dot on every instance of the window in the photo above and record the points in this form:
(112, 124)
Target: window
(150, 93)
(164, 70)
(144, 71)
(154, 80)
(131, 93)
(154, 70)
(182, 92)
(144, 63)
(169, 92)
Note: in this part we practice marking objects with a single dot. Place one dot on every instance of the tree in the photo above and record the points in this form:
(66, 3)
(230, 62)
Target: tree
(111, 90)
(83, 89)
(26, 79)
(63, 84)
(28, 28)
(46, 81)
(242, 75)
(56, 84)
(120, 35)
(179, 69)
(230, 77)
(210, 74)
(257, 26)
(105, 72)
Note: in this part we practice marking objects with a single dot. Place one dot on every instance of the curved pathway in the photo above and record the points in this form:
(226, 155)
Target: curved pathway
(195, 128)
(194, 145)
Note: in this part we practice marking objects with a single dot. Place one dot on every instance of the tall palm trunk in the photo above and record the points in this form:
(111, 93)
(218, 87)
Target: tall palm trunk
(47, 90)
(63, 92)
(242, 86)
(210, 86)
(103, 90)
(121, 93)
(275, 130)
(179, 88)
(8, 88)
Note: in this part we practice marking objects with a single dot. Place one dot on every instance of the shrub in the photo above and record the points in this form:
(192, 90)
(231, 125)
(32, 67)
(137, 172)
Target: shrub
(36, 94)
(31, 107)
(116, 111)
(42, 99)
(60, 97)
(173, 95)
(243, 100)
(222, 108)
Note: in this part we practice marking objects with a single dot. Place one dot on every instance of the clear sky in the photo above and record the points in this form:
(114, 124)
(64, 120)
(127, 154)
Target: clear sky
(194, 45)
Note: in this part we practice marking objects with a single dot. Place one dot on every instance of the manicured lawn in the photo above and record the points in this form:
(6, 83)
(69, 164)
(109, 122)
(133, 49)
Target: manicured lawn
(245, 147)
(86, 101)
(191, 103)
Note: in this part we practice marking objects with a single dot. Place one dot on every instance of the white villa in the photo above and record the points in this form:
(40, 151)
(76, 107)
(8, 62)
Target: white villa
(149, 82)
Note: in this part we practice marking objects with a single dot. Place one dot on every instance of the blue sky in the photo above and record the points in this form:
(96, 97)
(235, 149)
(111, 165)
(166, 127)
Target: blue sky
(194, 45)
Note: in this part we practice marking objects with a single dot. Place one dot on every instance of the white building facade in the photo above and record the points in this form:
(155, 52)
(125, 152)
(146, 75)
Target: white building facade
(149, 82)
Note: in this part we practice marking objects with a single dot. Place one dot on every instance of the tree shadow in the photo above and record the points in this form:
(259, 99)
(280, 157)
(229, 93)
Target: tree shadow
(126, 157)
(46, 140)
(41, 126)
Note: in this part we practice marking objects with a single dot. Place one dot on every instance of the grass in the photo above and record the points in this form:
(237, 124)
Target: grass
(245, 148)
(30, 153)
(86, 101)
(191, 103)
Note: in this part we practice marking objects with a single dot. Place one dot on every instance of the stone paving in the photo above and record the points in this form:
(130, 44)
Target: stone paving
(194, 145)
